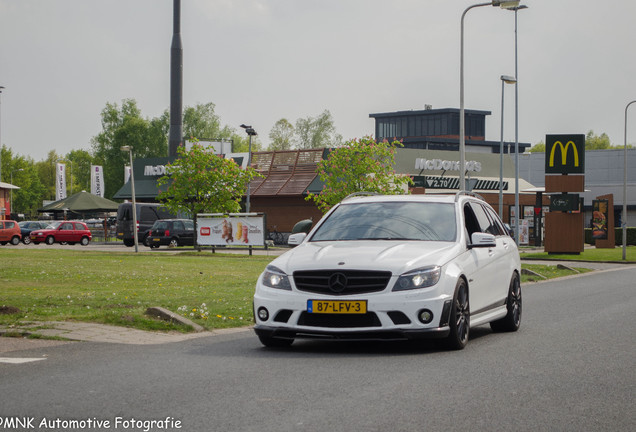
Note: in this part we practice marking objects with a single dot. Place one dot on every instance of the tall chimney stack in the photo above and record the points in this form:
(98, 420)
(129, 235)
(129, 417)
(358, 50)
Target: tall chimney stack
(176, 83)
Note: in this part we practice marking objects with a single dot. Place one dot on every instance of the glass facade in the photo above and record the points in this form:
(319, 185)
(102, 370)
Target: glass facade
(445, 124)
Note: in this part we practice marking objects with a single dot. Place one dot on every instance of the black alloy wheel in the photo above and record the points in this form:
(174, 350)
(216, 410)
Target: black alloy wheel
(460, 318)
(512, 321)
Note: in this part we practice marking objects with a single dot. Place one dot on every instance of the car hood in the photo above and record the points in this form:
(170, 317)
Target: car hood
(395, 256)
(42, 231)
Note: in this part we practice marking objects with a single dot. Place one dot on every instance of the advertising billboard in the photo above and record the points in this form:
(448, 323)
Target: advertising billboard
(247, 229)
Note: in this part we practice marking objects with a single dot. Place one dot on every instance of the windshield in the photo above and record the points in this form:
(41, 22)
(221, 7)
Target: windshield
(390, 221)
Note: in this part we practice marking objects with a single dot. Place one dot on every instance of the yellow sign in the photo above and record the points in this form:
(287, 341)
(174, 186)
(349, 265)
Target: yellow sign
(566, 164)
(564, 153)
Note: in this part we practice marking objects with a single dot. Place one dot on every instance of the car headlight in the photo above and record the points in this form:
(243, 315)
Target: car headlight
(420, 278)
(274, 277)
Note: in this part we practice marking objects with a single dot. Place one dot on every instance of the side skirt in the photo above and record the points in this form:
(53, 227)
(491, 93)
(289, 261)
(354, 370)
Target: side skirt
(488, 316)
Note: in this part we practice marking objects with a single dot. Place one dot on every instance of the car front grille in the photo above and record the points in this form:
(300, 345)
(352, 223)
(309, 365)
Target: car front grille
(339, 320)
(341, 282)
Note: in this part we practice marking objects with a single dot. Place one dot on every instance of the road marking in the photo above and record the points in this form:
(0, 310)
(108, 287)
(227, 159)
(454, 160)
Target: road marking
(18, 360)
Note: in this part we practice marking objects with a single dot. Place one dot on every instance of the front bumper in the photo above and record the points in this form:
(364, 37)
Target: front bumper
(355, 335)
(389, 315)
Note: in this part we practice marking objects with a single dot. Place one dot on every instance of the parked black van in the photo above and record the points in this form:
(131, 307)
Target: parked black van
(147, 214)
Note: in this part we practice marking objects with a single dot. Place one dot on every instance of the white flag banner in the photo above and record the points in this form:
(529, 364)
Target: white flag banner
(60, 181)
(97, 180)
(126, 174)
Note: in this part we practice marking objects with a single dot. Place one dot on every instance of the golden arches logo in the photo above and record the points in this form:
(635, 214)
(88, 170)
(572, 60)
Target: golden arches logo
(564, 153)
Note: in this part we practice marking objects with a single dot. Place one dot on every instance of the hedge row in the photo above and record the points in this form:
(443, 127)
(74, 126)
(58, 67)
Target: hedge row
(618, 236)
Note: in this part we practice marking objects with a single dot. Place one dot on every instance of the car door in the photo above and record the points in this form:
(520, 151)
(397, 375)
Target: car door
(3, 232)
(188, 232)
(485, 273)
(503, 256)
(65, 232)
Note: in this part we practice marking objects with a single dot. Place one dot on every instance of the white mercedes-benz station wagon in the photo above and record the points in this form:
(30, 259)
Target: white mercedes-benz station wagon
(393, 268)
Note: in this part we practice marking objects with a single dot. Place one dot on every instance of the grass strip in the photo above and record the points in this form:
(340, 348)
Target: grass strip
(213, 290)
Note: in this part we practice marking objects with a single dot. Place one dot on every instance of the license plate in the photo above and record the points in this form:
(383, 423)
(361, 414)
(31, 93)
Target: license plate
(337, 306)
(156, 239)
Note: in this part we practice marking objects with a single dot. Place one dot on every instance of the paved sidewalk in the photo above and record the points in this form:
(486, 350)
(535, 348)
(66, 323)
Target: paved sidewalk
(90, 332)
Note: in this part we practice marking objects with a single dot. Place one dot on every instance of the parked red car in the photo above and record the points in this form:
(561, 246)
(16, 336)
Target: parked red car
(69, 232)
(9, 232)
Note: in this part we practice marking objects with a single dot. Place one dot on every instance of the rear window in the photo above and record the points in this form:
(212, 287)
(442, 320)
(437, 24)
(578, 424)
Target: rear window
(124, 212)
(161, 225)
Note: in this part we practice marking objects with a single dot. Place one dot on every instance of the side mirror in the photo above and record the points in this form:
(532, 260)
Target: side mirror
(480, 239)
(296, 239)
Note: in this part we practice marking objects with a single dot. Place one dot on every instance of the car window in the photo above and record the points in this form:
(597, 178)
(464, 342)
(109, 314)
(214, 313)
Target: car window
(124, 213)
(67, 226)
(147, 214)
(496, 221)
(163, 213)
(389, 221)
(160, 225)
(9, 224)
(486, 224)
(178, 225)
(189, 225)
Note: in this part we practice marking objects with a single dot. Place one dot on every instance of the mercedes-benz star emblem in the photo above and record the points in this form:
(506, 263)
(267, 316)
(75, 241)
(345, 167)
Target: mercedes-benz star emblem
(338, 282)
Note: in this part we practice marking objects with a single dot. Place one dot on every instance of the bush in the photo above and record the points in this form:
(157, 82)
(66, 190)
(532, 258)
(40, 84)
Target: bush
(618, 236)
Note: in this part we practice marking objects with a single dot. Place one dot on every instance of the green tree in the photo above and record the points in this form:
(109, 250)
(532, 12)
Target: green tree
(46, 174)
(125, 126)
(201, 121)
(360, 165)
(317, 132)
(596, 142)
(281, 136)
(538, 148)
(28, 199)
(201, 182)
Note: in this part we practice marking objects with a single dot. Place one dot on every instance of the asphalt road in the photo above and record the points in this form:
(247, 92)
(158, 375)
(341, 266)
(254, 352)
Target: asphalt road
(569, 368)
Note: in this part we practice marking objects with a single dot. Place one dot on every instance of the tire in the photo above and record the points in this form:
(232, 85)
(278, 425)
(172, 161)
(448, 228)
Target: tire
(146, 241)
(271, 342)
(84, 241)
(459, 318)
(15, 240)
(173, 243)
(129, 242)
(3, 243)
(26, 240)
(512, 321)
(50, 240)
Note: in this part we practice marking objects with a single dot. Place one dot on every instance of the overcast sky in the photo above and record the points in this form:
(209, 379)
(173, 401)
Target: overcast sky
(262, 60)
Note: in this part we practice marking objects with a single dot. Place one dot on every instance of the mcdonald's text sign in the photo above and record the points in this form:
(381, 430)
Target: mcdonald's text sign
(565, 154)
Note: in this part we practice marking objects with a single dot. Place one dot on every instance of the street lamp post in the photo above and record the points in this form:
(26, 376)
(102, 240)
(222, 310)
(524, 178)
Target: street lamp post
(1, 88)
(505, 79)
(462, 126)
(517, 215)
(134, 201)
(11, 196)
(624, 218)
(250, 132)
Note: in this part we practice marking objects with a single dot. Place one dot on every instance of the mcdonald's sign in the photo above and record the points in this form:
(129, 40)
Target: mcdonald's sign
(565, 154)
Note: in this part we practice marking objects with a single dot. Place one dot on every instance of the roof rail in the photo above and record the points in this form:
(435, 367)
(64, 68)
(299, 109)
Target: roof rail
(360, 194)
(468, 193)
